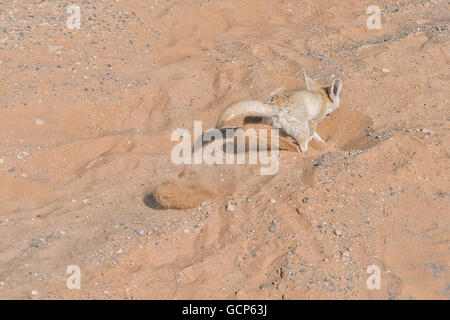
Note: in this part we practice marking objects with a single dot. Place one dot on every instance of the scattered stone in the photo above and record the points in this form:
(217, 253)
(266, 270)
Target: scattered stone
(54, 48)
(273, 227)
(230, 207)
(264, 285)
(305, 200)
(272, 200)
(426, 131)
(318, 164)
(140, 232)
(345, 253)
(11, 169)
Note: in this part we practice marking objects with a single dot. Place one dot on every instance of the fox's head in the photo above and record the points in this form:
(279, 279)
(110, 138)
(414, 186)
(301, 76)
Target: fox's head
(332, 92)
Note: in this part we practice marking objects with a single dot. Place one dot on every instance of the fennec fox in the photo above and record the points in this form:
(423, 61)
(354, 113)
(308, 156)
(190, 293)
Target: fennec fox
(297, 112)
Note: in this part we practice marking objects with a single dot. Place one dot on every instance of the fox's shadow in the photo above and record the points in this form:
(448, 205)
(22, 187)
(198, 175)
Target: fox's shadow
(150, 201)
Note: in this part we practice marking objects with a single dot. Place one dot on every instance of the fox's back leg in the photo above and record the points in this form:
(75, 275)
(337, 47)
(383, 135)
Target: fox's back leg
(299, 130)
(313, 133)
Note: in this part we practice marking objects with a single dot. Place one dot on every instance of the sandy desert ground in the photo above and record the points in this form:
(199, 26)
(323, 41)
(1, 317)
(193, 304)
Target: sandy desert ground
(86, 118)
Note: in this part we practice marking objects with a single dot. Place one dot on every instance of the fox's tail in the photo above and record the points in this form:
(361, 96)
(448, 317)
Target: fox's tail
(252, 108)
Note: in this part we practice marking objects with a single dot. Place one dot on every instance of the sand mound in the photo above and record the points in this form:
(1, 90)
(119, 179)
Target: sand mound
(348, 129)
(187, 191)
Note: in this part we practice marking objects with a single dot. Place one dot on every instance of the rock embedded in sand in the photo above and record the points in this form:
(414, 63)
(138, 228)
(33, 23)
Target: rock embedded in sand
(52, 48)
(229, 207)
(273, 227)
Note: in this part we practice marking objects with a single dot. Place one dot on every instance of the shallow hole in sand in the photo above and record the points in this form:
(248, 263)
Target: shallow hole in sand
(348, 129)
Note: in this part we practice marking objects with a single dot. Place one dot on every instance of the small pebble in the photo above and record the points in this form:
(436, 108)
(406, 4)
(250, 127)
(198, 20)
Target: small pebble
(426, 131)
(273, 227)
(230, 207)
(54, 48)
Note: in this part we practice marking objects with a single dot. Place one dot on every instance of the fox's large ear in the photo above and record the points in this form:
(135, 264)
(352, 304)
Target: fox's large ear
(310, 83)
(335, 89)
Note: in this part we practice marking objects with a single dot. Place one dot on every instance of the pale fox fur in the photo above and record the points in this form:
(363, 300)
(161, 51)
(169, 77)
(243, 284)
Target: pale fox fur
(297, 112)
